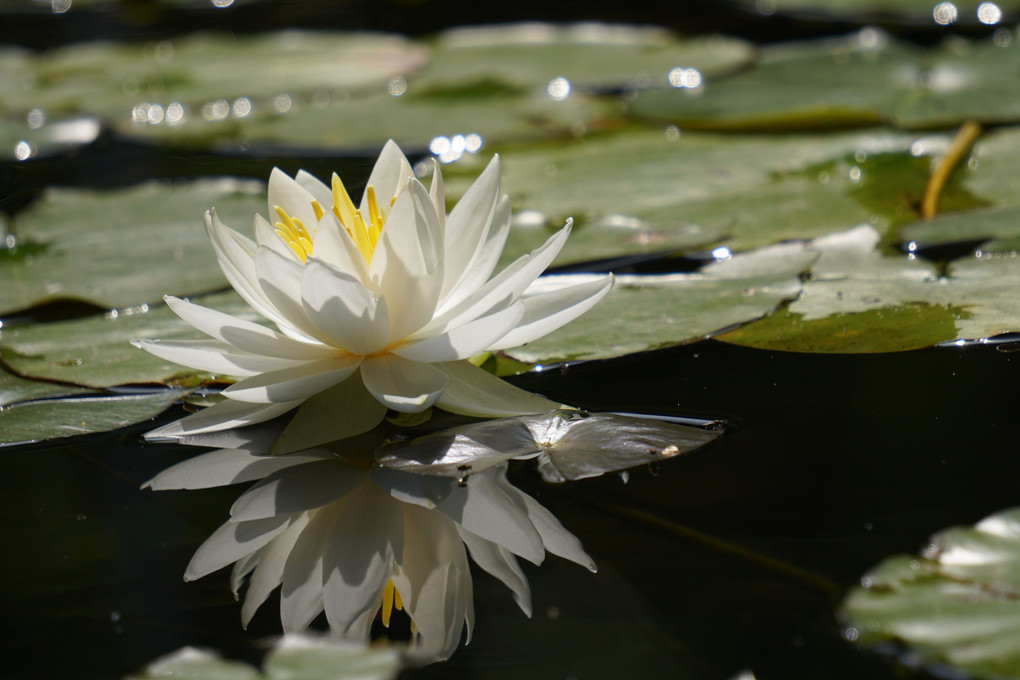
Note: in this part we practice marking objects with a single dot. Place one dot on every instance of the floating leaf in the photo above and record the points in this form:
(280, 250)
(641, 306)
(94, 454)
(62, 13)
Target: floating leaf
(529, 56)
(569, 445)
(189, 663)
(964, 227)
(858, 80)
(959, 604)
(647, 312)
(640, 191)
(39, 419)
(859, 300)
(96, 351)
(300, 657)
(912, 12)
(120, 248)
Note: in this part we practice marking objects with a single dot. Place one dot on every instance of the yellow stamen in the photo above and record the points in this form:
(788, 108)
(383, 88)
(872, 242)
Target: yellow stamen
(293, 233)
(390, 601)
(317, 207)
(375, 221)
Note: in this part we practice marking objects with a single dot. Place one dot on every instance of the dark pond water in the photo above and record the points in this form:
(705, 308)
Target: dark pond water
(733, 557)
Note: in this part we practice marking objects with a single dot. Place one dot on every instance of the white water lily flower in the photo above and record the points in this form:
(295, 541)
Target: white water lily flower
(378, 306)
(341, 535)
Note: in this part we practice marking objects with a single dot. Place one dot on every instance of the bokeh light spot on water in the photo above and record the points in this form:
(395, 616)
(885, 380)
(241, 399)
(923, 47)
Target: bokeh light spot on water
(23, 150)
(60, 6)
(558, 89)
(282, 103)
(689, 78)
(989, 13)
(241, 107)
(397, 86)
(221, 3)
(216, 110)
(944, 13)
(450, 149)
(36, 118)
(765, 7)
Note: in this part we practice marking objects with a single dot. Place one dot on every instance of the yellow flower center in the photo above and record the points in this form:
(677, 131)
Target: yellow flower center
(390, 601)
(365, 234)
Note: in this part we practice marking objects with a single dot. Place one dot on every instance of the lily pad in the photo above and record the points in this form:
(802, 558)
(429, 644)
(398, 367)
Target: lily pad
(50, 418)
(96, 351)
(648, 312)
(293, 657)
(529, 57)
(966, 227)
(859, 300)
(21, 139)
(957, 604)
(912, 12)
(644, 191)
(112, 80)
(858, 80)
(120, 248)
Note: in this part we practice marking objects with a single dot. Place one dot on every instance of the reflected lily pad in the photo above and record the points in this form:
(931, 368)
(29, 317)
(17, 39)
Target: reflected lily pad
(958, 603)
(96, 352)
(859, 300)
(854, 81)
(120, 248)
(648, 312)
(65, 416)
(568, 445)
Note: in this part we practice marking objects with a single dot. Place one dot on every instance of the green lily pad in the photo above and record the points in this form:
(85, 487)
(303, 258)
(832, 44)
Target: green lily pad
(21, 140)
(369, 120)
(293, 657)
(50, 418)
(528, 57)
(957, 604)
(858, 80)
(643, 191)
(858, 300)
(993, 175)
(112, 80)
(96, 351)
(120, 248)
(915, 12)
(648, 312)
(965, 227)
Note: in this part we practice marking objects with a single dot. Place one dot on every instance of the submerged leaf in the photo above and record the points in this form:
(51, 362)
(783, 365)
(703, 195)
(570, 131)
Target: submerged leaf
(569, 445)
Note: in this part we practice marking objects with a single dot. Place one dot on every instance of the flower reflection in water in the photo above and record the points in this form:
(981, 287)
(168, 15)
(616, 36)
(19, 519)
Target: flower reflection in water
(339, 533)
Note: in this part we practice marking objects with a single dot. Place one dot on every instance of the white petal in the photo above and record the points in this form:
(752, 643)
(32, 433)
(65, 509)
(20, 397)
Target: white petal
(500, 562)
(466, 340)
(319, 190)
(434, 581)
(280, 280)
(549, 311)
(502, 289)
(269, 572)
(225, 415)
(469, 223)
(408, 277)
(266, 237)
(296, 489)
(213, 356)
(245, 335)
(334, 245)
(437, 192)
(344, 410)
(389, 177)
(301, 592)
(342, 309)
(473, 391)
(243, 567)
(486, 255)
(292, 197)
(231, 542)
(402, 385)
(227, 466)
(556, 539)
(294, 383)
(479, 504)
(360, 555)
(236, 256)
